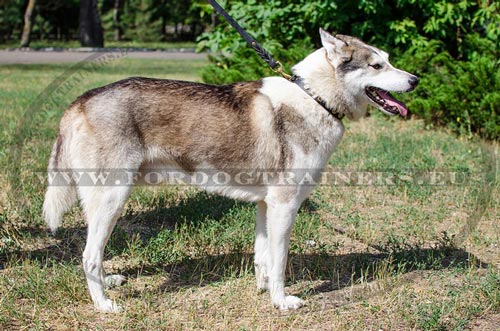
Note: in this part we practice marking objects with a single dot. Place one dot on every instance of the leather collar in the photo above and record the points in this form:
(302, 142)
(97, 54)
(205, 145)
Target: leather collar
(300, 83)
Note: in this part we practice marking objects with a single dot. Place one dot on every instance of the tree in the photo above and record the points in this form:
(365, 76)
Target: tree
(26, 37)
(116, 20)
(91, 34)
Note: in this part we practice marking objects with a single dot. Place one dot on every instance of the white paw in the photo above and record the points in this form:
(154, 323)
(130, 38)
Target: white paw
(109, 306)
(114, 280)
(261, 278)
(262, 284)
(289, 302)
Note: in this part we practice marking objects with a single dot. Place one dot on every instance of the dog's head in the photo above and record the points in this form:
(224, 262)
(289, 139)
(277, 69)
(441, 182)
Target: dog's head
(366, 73)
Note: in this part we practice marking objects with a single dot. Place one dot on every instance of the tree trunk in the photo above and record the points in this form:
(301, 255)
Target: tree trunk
(164, 27)
(90, 25)
(26, 37)
(116, 21)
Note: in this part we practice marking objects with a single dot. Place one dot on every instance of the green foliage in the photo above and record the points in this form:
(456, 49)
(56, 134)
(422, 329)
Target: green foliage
(452, 45)
(228, 69)
(279, 25)
(138, 20)
(463, 95)
(147, 20)
(10, 17)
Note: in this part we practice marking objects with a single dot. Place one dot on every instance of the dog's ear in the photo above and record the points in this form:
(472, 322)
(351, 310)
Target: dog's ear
(337, 49)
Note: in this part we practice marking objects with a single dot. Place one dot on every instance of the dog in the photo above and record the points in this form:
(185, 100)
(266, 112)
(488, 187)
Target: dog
(274, 123)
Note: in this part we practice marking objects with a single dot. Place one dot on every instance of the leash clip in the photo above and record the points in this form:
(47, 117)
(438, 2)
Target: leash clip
(280, 71)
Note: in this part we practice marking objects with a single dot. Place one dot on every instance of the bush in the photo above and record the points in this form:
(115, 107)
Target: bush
(244, 64)
(452, 45)
(463, 95)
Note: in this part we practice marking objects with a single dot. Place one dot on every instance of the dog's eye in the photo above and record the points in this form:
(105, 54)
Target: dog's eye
(376, 66)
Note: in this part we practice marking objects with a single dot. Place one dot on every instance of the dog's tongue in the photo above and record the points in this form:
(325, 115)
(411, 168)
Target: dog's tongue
(391, 101)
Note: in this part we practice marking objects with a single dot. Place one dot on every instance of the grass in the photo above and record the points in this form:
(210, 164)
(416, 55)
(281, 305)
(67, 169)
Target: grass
(365, 257)
(38, 44)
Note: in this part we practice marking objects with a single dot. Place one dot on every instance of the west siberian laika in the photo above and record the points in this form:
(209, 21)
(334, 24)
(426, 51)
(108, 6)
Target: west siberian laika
(141, 123)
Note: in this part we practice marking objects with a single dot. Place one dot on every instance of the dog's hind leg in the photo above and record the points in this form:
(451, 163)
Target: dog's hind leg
(280, 218)
(262, 258)
(102, 206)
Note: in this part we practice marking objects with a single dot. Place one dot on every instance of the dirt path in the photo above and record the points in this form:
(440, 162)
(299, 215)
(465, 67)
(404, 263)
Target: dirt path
(28, 57)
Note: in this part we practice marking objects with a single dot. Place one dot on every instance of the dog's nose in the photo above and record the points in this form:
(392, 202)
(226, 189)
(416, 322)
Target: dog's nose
(413, 81)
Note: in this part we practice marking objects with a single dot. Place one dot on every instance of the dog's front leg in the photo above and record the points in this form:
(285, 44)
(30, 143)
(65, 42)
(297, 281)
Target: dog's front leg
(280, 218)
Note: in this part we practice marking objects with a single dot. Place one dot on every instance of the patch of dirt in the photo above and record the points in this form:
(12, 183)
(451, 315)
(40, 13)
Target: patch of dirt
(486, 323)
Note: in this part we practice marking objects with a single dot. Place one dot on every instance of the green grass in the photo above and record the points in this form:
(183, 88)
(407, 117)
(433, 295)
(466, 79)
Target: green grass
(364, 257)
(38, 44)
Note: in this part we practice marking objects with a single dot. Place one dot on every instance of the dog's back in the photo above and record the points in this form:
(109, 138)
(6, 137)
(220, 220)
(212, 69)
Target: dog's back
(189, 123)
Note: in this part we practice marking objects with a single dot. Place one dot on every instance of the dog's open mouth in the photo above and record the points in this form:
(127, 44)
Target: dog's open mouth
(386, 102)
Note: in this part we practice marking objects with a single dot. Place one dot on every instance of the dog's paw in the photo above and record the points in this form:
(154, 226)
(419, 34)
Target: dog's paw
(262, 279)
(114, 280)
(289, 302)
(109, 306)
(262, 285)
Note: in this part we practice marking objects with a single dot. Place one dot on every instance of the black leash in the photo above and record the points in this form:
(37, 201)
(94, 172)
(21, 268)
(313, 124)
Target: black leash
(276, 66)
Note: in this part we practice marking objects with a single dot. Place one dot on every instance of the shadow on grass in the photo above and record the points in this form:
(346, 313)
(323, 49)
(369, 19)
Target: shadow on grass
(71, 240)
(335, 271)
(193, 210)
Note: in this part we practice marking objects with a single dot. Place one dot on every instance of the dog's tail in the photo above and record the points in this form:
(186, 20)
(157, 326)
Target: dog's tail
(61, 194)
